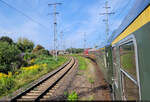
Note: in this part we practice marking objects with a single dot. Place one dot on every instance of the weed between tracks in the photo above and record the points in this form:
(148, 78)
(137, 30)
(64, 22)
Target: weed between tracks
(72, 96)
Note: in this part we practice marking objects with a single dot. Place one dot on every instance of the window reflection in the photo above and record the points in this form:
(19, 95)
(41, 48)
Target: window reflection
(127, 58)
(128, 75)
(115, 67)
(131, 91)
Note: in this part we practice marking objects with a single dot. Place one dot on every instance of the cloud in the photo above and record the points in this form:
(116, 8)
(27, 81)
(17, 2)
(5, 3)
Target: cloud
(76, 17)
(94, 26)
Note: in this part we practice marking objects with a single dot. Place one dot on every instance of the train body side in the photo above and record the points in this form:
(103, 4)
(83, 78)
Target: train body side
(143, 49)
(103, 58)
(125, 64)
(140, 40)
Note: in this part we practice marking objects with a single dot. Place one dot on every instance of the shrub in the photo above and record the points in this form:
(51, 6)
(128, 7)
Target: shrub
(73, 96)
(6, 39)
(8, 57)
(29, 56)
(43, 52)
(40, 50)
(25, 45)
(6, 83)
(37, 48)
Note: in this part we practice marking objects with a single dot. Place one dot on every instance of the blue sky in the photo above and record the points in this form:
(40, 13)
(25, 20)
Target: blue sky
(75, 18)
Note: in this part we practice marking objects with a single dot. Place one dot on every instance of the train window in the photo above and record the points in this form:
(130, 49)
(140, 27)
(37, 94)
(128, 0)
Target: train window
(127, 59)
(115, 67)
(128, 71)
(130, 89)
(114, 54)
(102, 57)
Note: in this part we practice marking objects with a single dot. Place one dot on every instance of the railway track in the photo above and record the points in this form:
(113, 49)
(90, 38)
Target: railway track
(44, 89)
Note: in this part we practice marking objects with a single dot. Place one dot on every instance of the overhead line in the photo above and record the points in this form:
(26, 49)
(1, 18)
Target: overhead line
(19, 11)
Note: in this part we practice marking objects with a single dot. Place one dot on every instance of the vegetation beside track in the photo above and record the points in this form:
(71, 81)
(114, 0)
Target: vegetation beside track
(42, 65)
(21, 63)
(85, 77)
(82, 61)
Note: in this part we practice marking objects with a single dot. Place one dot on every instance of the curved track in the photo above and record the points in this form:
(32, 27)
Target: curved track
(43, 89)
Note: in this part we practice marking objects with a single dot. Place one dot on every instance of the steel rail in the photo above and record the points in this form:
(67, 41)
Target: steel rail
(43, 80)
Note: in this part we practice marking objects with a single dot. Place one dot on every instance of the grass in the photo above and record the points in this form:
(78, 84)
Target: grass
(26, 75)
(91, 98)
(82, 62)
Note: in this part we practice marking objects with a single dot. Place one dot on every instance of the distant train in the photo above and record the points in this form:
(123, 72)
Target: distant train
(125, 61)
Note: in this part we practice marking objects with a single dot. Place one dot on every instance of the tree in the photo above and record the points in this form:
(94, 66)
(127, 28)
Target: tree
(25, 45)
(96, 46)
(9, 57)
(6, 39)
(74, 50)
(40, 50)
(37, 48)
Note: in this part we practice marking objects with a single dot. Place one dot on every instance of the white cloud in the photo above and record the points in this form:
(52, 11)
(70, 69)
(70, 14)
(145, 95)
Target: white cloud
(95, 23)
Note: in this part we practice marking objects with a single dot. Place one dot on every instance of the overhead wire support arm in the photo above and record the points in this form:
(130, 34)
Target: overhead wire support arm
(106, 20)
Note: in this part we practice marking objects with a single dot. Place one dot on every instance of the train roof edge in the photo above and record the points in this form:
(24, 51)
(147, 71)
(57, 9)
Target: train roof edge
(134, 12)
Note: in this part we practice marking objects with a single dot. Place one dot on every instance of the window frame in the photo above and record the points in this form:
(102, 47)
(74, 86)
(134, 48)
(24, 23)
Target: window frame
(116, 81)
(131, 38)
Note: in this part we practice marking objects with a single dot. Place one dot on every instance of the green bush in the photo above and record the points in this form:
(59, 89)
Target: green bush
(37, 48)
(74, 50)
(29, 56)
(9, 57)
(6, 39)
(73, 96)
(25, 45)
(23, 76)
(6, 83)
(40, 50)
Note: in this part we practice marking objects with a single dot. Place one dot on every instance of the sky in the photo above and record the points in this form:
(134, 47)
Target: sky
(76, 17)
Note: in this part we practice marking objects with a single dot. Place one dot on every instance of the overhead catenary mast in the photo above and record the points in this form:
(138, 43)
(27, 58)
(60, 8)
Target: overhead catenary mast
(55, 28)
(106, 19)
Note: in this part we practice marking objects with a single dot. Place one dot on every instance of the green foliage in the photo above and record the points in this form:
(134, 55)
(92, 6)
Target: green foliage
(40, 50)
(91, 80)
(29, 56)
(91, 98)
(25, 45)
(74, 50)
(44, 52)
(73, 96)
(37, 48)
(66, 93)
(23, 77)
(6, 39)
(6, 83)
(82, 63)
(8, 57)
